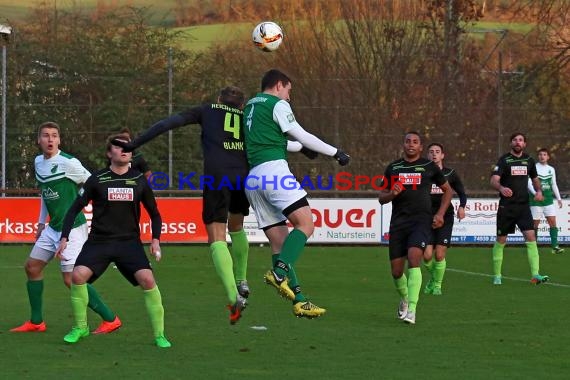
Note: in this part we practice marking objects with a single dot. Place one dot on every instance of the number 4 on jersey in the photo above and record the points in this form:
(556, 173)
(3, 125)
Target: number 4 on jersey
(232, 127)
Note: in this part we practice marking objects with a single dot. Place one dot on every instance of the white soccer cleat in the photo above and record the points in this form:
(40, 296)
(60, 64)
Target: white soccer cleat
(410, 318)
(402, 309)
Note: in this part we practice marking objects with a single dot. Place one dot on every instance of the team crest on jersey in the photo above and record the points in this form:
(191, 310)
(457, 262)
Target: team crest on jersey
(519, 170)
(53, 168)
(48, 194)
(410, 178)
(120, 194)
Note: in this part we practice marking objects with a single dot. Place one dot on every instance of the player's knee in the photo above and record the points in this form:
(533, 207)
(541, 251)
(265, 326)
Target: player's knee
(80, 275)
(147, 283)
(33, 269)
(397, 273)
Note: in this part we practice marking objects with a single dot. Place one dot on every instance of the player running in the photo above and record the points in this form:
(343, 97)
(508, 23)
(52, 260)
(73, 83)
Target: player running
(510, 178)
(407, 184)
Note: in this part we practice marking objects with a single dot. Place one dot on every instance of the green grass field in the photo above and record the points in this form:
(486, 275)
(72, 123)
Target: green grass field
(18, 9)
(473, 331)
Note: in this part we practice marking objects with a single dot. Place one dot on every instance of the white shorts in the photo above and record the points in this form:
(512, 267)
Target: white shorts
(48, 242)
(538, 212)
(271, 188)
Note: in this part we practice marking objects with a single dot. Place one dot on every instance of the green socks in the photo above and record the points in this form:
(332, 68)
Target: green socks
(533, 259)
(438, 272)
(153, 303)
(428, 265)
(292, 249)
(79, 301)
(414, 287)
(97, 305)
(240, 252)
(35, 294)
(225, 268)
(497, 258)
(293, 281)
(554, 237)
(402, 286)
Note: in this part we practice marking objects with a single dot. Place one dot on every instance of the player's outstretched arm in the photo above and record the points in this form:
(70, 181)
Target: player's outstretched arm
(295, 146)
(314, 144)
(160, 127)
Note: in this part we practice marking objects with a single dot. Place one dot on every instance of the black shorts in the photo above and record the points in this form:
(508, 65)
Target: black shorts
(442, 235)
(217, 204)
(128, 256)
(509, 216)
(408, 234)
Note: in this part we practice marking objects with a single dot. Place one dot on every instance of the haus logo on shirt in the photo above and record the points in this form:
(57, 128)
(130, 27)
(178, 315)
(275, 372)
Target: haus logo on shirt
(120, 194)
(410, 178)
(436, 189)
(518, 170)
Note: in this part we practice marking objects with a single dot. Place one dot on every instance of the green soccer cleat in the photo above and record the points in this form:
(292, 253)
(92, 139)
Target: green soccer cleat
(557, 250)
(281, 284)
(437, 291)
(308, 310)
(497, 280)
(162, 342)
(429, 286)
(75, 334)
(538, 279)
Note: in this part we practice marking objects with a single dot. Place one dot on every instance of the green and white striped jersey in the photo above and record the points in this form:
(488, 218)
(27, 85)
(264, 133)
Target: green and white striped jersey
(58, 178)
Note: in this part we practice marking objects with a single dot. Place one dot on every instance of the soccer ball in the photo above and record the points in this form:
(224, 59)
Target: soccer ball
(267, 36)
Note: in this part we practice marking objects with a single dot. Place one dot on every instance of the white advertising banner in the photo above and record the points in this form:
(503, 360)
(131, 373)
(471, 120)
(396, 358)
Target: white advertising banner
(364, 221)
(337, 221)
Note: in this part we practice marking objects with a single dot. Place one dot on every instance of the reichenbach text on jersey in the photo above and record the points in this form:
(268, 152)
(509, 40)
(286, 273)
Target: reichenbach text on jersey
(226, 108)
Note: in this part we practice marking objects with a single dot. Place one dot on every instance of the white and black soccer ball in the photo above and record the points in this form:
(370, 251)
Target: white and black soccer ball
(267, 36)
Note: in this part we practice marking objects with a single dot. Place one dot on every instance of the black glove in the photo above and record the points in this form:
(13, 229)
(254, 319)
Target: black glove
(310, 154)
(127, 146)
(342, 158)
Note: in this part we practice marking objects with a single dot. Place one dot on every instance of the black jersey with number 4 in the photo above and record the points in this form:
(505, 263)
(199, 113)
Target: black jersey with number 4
(417, 178)
(515, 172)
(455, 183)
(116, 203)
(222, 137)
